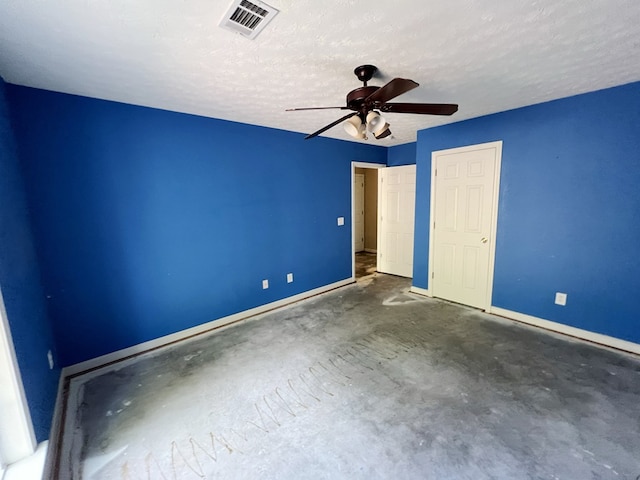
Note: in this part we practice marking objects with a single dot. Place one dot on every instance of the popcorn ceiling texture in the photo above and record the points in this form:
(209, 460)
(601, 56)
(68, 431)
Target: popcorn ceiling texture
(485, 55)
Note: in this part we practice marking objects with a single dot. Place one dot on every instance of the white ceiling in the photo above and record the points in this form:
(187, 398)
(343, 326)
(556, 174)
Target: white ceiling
(485, 55)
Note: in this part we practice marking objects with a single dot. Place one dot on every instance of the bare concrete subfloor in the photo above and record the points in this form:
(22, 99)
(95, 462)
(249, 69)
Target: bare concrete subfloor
(366, 382)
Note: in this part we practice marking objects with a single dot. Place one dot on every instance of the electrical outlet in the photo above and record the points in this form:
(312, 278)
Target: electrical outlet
(265, 284)
(561, 299)
(340, 221)
(50, 358)
(289, 277)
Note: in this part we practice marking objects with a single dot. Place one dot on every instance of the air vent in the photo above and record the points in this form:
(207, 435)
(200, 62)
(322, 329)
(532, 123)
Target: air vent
(248, 18)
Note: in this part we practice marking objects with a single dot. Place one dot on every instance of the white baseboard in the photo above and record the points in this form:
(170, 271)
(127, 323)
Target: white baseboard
(593, 337)
(29, 468)
(218, 324)
(420, 291)
(371, 250)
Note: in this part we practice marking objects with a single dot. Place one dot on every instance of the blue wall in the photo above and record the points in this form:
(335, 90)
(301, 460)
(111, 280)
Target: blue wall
(148, 222)
(569, 214)
(399, 155)
(21, 288)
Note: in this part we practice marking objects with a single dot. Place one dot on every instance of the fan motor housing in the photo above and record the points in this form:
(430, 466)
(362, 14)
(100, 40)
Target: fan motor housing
(355, 98)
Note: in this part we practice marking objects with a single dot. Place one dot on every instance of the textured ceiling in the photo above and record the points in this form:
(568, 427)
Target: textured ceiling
(485, 55)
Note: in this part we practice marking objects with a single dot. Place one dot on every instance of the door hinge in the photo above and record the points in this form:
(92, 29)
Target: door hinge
(436, 174)
(432, 274)
(434, 225)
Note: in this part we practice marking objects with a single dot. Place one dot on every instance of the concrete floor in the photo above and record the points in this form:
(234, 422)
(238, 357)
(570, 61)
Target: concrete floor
(366, 382)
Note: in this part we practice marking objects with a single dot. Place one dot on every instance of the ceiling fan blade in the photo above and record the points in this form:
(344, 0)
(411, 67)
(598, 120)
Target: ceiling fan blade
(331, 125)
(314, 108)
(421, 108)
(395, 87)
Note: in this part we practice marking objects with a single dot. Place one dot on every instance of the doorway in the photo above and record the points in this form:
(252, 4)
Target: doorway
(365, 218)
(464, 209)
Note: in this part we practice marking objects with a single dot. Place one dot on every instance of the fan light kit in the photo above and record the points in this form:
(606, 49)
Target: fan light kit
(368, 101)
(355, 127)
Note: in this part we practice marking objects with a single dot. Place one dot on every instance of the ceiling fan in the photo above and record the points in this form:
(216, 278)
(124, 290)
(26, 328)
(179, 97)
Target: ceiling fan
(368, 101)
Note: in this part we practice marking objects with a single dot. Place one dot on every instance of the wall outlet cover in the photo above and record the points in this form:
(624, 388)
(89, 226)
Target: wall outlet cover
(289, 277)
(340, 221)
(265, 284)
(50, 358)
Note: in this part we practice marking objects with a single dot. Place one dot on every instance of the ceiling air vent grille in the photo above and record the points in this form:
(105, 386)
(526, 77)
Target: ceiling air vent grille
(248, 18)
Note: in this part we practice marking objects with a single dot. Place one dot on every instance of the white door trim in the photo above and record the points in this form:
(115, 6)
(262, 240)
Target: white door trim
(355, 165)
(15, 418)
(358, 216)
(494, 219)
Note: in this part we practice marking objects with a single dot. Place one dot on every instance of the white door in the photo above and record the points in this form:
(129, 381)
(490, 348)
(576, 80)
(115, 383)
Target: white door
(396, 201)
(358, 212)
(464, 209)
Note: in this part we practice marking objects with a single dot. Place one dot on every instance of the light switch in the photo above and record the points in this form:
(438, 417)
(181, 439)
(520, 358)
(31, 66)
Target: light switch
(561, 299)
(340, 221)
(265, 284)
(289, 277)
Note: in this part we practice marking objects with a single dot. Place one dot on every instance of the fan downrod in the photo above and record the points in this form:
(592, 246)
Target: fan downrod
(365, 73)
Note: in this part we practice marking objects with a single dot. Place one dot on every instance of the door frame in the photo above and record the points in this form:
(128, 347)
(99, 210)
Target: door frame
(358, 214)
(497, 145)
(355, 165)
(17, 417)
